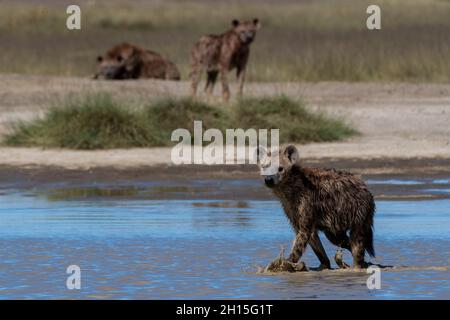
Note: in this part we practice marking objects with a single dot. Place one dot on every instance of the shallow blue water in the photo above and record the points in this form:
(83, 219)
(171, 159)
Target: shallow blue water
(394, 182)
(151, 249)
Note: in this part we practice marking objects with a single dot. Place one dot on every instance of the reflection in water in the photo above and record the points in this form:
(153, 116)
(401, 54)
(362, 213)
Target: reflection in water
(115, 192)
(237, 192)
(202, 249)
(437, 191)
(82, 193)
(223, 204)
(394, 182)
(441, 181)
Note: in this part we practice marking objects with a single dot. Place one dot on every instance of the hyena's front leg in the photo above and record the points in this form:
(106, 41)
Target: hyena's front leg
(318, 249)
(224, 79)
(241, 79)
(241, 72)
(299, 245)
(211, 81)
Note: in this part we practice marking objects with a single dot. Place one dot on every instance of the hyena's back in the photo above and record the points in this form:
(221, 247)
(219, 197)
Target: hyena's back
(206, 52)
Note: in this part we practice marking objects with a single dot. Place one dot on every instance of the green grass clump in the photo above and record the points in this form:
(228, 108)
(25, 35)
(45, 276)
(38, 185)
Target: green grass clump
(295, 122)
(98, 122)
(169, 114)
(94, 122)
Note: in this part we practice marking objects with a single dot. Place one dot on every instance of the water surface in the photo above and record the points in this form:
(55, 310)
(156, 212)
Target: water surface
(128, 247)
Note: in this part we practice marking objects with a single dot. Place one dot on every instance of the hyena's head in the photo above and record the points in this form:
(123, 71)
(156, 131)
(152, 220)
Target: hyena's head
(116, 62)
(275, 166)
(246, 30)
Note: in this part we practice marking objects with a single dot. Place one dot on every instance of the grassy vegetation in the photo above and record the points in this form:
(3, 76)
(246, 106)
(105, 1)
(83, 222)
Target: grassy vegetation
(93, 122)
(299, 40)
(99, 122)
(295, 122)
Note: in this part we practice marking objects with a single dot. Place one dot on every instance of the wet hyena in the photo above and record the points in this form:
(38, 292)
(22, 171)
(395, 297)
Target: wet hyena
(219, 54)
(127, 61)
(337, 203)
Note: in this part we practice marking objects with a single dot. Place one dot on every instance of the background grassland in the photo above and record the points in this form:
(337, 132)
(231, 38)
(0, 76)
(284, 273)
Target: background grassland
(299, 41)
(97, 121)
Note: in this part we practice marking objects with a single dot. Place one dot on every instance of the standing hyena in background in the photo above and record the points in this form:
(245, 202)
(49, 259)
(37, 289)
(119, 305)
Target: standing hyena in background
(221, 54)
(327, 200)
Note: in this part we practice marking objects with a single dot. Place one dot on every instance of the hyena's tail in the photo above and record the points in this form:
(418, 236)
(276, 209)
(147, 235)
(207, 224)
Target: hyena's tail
(368, 245)
(369, 242)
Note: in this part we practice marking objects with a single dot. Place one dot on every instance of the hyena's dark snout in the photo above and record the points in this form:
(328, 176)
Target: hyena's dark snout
(110, 73)
(269, 181)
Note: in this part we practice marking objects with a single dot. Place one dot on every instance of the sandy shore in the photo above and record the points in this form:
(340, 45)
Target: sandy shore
(397, 121)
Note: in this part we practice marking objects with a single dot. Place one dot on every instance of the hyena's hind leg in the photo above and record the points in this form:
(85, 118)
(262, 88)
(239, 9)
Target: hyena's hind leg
(357, 244)
(343, 242)
(196, 74)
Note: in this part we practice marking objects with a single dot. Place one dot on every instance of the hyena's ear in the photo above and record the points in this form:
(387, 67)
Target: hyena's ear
(257, 23)
(235, 23)
(291, 153)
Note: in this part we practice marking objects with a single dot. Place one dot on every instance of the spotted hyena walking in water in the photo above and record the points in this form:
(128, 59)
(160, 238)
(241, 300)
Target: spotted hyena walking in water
(219, 54)
(334, 202)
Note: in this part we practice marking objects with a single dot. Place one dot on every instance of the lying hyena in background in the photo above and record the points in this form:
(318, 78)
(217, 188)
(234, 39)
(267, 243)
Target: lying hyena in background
(221, 54)
(127, 61)
(327, 200)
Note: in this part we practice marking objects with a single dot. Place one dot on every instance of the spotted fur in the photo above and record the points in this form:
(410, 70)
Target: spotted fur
(219, 54)
(314, 200)
(127, 61)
